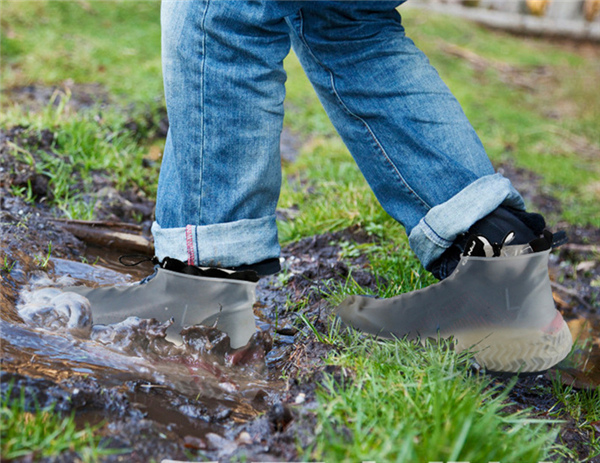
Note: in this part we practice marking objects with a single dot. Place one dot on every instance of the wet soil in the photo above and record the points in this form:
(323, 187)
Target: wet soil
(189, 406)
(533, 393)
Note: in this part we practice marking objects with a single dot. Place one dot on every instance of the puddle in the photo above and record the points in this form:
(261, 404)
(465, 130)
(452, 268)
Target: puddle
(151, 394)
(197, 388)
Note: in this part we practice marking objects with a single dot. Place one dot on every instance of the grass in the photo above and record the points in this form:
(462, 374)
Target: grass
(410, 403)
(116, 44)
(84, 143)
(6, 265)
(41, 432)
(583, 406)
(407, 403)
(43, 260)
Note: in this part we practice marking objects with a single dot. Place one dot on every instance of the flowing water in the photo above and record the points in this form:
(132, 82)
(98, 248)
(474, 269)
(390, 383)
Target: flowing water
(192, 387)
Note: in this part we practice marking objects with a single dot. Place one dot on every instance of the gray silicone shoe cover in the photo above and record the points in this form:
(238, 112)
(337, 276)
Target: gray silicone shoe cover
(188, 299)
(501, 307)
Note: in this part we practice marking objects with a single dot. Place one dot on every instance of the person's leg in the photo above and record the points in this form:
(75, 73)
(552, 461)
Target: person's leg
(401, 123)
(221, 172)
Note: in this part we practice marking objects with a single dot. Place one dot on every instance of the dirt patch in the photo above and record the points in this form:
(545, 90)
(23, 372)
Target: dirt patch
(534, 394)
(530, 78)
(25, 186)
(21, 174)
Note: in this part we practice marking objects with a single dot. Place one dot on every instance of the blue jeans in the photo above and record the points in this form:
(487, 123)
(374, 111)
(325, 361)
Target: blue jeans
(224, 86)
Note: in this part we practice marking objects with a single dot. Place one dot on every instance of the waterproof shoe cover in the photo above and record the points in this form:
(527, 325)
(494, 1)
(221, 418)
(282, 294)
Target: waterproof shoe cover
(187, 299)
(499, 307)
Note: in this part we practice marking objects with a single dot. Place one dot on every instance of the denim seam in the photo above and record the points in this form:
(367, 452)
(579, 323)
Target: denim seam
(357, 117)
(197, 243)
(202, 121)
(434, 236)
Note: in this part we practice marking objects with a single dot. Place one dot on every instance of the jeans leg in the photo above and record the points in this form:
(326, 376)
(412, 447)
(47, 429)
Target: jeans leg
(407, 132)
(221, 172)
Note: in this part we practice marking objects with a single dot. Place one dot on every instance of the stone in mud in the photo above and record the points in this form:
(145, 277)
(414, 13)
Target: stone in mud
(221, 414)
(280, 415)
(194, 411)
(38, 184)
(220, 444)
(193, 442)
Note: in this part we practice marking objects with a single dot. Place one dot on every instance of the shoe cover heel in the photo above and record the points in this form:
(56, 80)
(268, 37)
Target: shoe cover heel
(515, 350)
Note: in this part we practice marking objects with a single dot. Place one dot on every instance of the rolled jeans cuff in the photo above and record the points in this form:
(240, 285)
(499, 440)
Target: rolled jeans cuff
(445, 222)
(223, 245)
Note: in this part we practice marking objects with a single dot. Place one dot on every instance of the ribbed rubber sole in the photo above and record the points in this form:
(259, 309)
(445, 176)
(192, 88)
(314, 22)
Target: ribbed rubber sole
(513, 350)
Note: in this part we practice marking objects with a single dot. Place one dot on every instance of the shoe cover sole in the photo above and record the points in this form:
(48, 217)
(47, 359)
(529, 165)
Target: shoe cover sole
(517, 350)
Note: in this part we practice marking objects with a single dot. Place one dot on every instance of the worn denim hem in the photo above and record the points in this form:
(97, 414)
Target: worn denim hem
(443, 223)
(223, 245)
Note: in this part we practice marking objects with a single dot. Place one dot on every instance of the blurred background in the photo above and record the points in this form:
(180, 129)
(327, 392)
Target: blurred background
(82, 131)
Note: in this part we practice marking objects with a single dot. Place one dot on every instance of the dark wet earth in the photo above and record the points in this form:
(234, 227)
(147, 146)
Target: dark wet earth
(203, 400)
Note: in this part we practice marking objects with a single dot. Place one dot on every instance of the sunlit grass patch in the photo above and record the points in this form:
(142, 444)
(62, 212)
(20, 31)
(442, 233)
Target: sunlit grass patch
(116, 44)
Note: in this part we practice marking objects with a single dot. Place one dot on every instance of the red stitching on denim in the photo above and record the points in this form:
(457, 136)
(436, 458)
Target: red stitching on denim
(190, 244)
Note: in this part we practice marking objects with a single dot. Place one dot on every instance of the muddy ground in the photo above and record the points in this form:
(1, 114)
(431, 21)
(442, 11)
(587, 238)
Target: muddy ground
(244, 409)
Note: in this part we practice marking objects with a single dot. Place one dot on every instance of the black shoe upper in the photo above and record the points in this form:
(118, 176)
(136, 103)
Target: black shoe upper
(251, 272)
(211, 272)
(526, 226)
